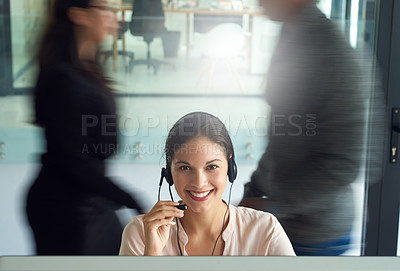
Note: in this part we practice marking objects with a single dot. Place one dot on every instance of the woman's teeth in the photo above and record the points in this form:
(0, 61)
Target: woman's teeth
(199, 195)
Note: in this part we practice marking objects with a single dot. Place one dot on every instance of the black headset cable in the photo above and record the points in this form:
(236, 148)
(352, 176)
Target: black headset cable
(223, 222)
(177, 226)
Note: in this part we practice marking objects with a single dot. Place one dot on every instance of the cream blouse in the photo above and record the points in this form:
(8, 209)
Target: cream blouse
(249, 233)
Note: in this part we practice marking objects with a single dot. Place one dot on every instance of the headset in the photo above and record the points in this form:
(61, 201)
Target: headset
(232, 167)
(166, 173)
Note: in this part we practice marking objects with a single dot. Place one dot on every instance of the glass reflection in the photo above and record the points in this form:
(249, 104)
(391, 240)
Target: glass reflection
(230, 86)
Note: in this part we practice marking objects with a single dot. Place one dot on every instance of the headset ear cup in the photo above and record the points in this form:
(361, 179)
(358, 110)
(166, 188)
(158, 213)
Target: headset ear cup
(232, 170)
(168, 176)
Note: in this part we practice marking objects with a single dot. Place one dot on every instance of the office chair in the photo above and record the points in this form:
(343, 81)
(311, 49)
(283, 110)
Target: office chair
(123, 27)
(148, 22)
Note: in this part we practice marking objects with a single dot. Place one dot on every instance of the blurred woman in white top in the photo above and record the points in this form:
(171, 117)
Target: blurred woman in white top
(199, 160)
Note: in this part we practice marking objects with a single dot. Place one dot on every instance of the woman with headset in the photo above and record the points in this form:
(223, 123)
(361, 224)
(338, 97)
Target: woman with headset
(199, 160)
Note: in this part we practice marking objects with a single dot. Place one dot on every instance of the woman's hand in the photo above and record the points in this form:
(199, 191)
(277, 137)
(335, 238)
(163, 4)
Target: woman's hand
(157, 224)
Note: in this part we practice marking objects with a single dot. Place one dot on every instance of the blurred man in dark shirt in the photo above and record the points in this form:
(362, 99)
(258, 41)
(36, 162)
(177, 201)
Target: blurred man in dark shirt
(318, 95)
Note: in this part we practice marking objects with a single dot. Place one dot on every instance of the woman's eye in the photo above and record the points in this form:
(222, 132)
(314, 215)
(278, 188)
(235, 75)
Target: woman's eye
(212, 167)
(184, 168)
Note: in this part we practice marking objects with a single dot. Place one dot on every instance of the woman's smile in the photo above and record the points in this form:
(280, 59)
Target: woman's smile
(200, 196)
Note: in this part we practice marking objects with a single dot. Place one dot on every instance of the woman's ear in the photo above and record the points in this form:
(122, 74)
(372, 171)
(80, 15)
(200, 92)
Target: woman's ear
(79, 16)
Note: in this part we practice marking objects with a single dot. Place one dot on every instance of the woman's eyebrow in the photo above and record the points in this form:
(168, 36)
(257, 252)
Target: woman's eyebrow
(213, 161)
(182, 162)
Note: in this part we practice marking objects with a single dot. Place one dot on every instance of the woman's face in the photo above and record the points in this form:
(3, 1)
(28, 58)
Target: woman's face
(199, 170)
(103, 19)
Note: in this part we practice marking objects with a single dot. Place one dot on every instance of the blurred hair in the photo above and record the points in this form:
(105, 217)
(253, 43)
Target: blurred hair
(195, 125)
(59, 45)
(58, 42)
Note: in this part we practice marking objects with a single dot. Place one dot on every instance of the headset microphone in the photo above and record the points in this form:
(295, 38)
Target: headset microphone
(164, 175)
(168, 177)
(182, 207)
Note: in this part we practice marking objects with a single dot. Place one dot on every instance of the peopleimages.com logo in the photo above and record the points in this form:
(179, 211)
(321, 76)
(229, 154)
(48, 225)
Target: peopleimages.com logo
(147, 125)
(294, 125)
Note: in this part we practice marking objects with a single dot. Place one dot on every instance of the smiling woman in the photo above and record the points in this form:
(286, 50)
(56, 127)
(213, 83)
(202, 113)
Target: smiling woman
(199, 160)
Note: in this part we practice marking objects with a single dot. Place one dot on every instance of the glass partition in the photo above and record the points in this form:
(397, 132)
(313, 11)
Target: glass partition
(205, 50)
(213, 57)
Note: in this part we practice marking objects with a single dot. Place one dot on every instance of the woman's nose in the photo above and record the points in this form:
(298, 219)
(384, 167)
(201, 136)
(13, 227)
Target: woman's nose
(199, 179)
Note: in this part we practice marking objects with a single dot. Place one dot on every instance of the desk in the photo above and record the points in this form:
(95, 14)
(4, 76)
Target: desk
(224, 263)
(247, 15)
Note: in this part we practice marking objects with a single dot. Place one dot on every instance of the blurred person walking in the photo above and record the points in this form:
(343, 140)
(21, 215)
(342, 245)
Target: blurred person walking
(317, 92)
(70, 205)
